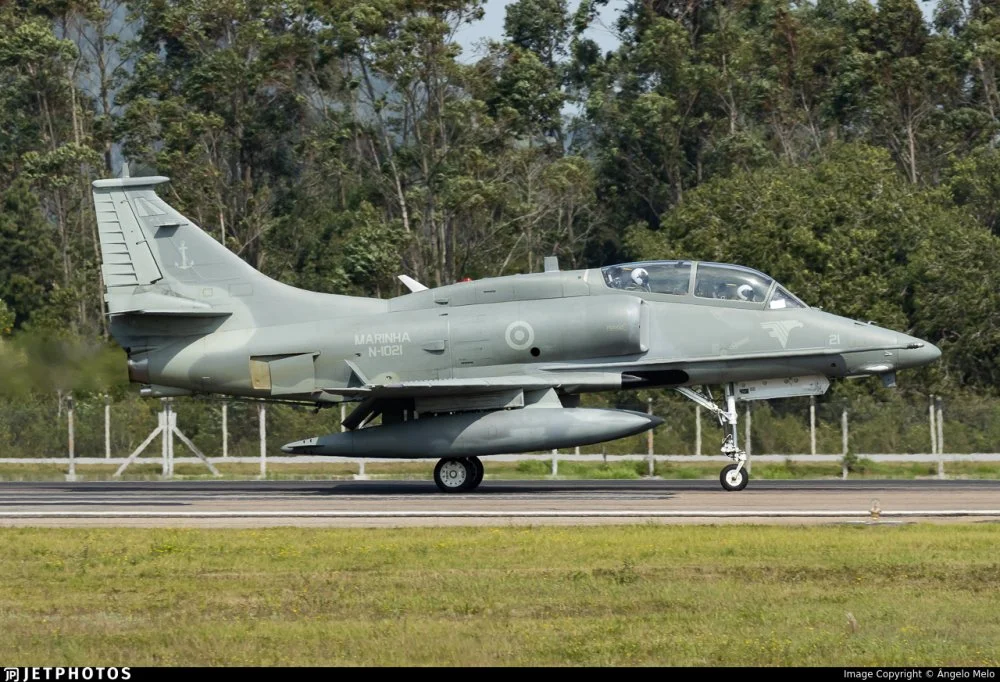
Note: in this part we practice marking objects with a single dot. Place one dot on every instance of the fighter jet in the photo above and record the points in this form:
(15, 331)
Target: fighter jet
(474, 368)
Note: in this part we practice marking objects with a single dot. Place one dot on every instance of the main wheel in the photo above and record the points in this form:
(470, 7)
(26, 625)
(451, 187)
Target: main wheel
(454, 475)
(477, 465)
(734, 477)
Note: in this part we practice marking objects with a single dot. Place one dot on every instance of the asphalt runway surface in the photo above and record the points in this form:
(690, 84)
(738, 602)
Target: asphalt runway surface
(407, 503)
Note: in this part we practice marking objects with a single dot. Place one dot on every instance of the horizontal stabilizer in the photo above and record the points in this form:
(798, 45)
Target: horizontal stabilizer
(154, 303)
(122, 183)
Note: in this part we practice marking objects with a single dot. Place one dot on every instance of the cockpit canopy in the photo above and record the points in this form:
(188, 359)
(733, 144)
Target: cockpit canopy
(703, 280)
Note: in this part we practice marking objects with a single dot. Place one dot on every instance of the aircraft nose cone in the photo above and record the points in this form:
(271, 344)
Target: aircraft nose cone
(918, 353)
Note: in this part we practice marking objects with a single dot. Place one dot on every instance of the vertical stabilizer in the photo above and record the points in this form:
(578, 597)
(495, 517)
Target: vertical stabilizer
(126, 255)
(159, 264)
(194, 316)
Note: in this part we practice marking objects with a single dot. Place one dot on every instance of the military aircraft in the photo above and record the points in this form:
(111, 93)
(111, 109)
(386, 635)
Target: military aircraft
(473, 368)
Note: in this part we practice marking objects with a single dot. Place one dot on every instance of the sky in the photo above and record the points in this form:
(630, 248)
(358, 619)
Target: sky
(491, 26)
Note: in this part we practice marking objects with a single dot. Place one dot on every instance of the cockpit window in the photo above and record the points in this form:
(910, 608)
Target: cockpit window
(731, 283)
(658, 277)
(782, 299)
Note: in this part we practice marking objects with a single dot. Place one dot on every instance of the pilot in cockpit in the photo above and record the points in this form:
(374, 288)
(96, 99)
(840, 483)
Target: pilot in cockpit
(640, 279)
(730, 291)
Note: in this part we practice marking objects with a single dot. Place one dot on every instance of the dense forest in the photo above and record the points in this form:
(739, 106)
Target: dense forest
(847, 148)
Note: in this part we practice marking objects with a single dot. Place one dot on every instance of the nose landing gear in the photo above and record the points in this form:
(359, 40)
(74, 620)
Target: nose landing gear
(734, 476)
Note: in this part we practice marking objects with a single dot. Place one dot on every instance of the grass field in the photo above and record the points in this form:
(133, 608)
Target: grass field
(635, 595)
(527, 469)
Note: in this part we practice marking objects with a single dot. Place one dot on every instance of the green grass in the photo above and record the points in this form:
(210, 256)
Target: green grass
(633, 595)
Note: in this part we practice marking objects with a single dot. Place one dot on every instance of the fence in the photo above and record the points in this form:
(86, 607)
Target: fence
(113, 428)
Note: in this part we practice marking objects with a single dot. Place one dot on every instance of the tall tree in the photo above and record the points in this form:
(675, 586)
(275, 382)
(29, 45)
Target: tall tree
(850, 234)
(214, 102)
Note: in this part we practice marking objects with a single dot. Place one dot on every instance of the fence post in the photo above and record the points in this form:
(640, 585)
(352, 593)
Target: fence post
(71, 476)
(342, 418)
(107, 426)
(225, 429)
(649, 436)
(940, 435)
(164, 425)
(171, 425)
(555, 462)
(697, 429)
(930, 412)
(812, 425)
(747, 443)
(843, 442)
(262, 415)
(940, 424)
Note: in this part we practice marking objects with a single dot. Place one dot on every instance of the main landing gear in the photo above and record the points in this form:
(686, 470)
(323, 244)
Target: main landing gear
(734, 476)
(458, 474)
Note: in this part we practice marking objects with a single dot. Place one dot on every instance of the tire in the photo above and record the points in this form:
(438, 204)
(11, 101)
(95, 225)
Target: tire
(479, 470)
(730, 481)
(454, 475)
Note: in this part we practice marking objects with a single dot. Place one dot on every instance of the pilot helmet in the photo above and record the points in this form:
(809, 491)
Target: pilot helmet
(640, 276)
(745, 292)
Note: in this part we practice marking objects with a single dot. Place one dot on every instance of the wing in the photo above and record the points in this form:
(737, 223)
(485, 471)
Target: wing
(456, 395)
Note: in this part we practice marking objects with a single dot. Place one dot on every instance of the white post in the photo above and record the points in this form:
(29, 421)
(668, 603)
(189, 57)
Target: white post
(72, 439)
(812, 424)
(555, 462)
(746, 438)
(171, 425)
(164, 426)
(342, 418)
(225, 429)
(843, 441)
(940, 435)
(930, 410)
(940, 424)
(107, 426)
(261, 411)
(697, 429)
(576, 450)
(649, 436)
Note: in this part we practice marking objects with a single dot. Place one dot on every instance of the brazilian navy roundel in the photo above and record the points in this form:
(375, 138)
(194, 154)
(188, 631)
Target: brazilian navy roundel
(519, 335)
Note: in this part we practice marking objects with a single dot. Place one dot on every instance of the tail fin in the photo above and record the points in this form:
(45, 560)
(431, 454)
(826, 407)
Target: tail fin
(158, 264)
(156, 261)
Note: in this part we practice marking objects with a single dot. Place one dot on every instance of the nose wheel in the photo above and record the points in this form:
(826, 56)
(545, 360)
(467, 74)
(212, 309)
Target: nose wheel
(734, 477)
(458, 474)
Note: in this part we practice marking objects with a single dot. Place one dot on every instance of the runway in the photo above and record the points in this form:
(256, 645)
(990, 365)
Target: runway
(406, 503)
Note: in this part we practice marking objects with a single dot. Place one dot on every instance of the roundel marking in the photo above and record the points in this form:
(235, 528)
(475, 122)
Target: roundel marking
(519, 335)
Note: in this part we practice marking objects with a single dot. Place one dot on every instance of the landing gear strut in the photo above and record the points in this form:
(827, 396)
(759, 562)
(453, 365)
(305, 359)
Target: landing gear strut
(734, 476)
(458, 474)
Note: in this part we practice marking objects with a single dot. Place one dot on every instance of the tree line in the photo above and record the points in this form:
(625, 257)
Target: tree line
(847, 148)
